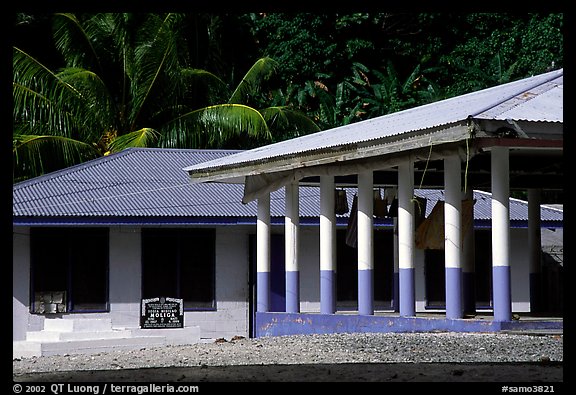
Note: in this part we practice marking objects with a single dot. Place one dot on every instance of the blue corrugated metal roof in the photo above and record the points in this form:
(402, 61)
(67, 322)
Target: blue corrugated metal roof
(150, 184)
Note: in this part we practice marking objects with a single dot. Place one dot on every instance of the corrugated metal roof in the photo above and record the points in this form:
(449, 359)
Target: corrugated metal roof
(145, 183)
(523, 99)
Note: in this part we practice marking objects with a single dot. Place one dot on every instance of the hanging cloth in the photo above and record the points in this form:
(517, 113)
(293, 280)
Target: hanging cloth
(352, 228)
(430, 233)
(380, 205)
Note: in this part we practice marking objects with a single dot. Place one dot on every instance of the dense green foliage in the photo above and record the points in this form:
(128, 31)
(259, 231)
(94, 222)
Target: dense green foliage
(89, 84)
(373, 64)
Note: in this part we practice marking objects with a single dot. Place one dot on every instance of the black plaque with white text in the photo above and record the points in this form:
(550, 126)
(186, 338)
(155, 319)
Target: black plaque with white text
(162, 313)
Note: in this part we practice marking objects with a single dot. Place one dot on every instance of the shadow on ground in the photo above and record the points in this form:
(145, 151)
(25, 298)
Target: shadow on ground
(546, 373)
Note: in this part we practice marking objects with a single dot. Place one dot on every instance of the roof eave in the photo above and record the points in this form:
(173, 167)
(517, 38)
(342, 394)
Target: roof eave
(309, 163)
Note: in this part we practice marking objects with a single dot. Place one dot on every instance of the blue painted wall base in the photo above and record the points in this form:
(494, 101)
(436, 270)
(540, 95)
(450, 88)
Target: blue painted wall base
(282, 324)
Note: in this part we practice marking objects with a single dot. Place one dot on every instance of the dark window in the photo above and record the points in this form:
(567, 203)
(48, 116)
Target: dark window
(435, 278)
(74, 261)
(347, 270)
(179, 263)
(483, 268)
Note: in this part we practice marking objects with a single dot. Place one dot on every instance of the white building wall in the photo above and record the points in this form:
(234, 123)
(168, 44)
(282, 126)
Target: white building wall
(125, 278)
(520, 270)
(309, 258)
(231, 316)
(20, 281)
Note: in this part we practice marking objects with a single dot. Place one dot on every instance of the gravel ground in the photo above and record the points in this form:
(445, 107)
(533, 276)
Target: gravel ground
(334, 357)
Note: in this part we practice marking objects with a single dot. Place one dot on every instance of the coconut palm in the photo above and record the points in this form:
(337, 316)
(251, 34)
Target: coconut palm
(127, 82)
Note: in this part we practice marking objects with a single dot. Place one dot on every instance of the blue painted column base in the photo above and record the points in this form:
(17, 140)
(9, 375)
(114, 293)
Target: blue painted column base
(292, 292)
(262, 291)
(502, 299)
(327, 291)
(407, 300)
(454, 308)
(366, 292)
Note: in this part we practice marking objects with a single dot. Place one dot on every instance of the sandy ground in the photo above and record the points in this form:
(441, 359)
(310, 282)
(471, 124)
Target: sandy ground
(545, 373)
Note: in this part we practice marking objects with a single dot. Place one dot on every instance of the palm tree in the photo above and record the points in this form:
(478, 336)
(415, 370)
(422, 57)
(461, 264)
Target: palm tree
(127, 82)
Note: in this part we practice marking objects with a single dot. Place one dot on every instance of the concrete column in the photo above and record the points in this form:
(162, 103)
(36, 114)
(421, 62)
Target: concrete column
(365, 241)
(292, 225)
(406, 238)
(535, 248)
(263, 254)
(327, 246)
(468, 261)
(453, 237)
(501, 293)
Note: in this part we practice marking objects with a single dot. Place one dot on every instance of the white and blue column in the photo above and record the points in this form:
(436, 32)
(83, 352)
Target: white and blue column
(535, 249)
(291, 231)
(327, 246)
(365, 241)
(453, 237)
(501, 292)
(263, 254)
(406, 243)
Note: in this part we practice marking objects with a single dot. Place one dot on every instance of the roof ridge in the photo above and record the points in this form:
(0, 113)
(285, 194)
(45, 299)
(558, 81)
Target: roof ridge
(540, 80)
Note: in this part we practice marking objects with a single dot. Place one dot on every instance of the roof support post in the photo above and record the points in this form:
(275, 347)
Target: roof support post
(263, 254)
(406, 238)
(365, 241)
(327, 246)
(500, 179)
(535, 249)
(453, 237)
(292, 225)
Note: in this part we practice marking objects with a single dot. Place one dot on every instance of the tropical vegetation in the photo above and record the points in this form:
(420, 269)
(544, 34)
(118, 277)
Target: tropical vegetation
(86, 85)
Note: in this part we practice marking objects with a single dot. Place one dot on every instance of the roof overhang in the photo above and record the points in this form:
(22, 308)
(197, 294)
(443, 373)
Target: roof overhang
(524, 115)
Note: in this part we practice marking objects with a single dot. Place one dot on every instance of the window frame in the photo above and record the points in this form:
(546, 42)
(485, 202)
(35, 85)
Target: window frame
(180, 233)
(64, 233)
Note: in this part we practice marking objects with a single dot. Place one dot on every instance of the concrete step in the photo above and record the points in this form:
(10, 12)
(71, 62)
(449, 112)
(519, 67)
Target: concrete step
(77, 324)
(54, 336)
(47, 342)
(100, 345)
(28, 349)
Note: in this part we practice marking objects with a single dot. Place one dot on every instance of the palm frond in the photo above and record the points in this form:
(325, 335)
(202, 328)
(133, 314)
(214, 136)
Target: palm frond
(288, 121)
(262, 70)
(213, 126)
(41, 97)
(95, 111)
(145, 137)
(203, 83)
(74, 41)
(155, 55)
(34, 155)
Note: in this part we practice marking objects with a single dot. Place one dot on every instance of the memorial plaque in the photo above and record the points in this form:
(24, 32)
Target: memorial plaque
(161, 312)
